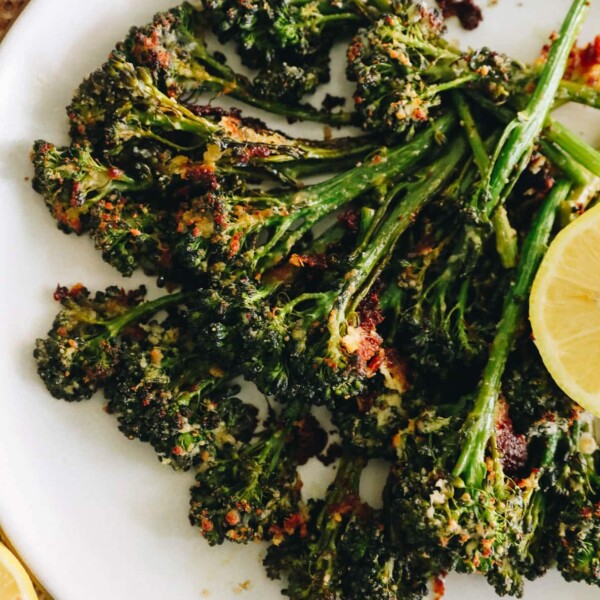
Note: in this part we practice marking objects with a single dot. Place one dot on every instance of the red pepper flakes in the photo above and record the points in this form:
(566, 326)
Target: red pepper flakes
(234, 246)
(233, 518)
(318, 261)
(487, 548)
(439, 586)
(114, 172)
(370, 311)
(295, 522)
(202, 174)
(206, 525)
(584, 62)
(419, 114)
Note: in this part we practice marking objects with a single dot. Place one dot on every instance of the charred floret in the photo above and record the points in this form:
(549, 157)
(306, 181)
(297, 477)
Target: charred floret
(309, 557)
(174, 50)
(402, 66)
(130, 234)
(577, 525)
(82, 349)
(172, 392)
(72, 180)
(252, 491)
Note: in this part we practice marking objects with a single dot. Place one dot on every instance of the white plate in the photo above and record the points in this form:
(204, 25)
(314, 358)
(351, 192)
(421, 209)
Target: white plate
(95, 515)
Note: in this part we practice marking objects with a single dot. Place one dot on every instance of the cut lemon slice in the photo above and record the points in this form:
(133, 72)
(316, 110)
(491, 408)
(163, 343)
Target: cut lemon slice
(564, 308)
(15, 583)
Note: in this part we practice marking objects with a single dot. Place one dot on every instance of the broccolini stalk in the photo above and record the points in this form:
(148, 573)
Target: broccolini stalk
(566, 151)
(565, 163)
(528, 507)
(500, 529)
(514, 150)
(581, 151)
(83, 349)
(553, 131)
(479, 425)
(442, 324)
(251, 491)
(586, 185)
(505, 234)
(173, 49)
(573, 91)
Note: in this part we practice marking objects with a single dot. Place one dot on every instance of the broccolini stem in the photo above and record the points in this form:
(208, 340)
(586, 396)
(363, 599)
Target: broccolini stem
(433, 90)
(571, 168)
(572, 144)
(479, 424)
(517, 143)
(321, 199)
(571, 91)
(505, 235)
(302, 112)
(467, 122)
(506, 238)
(295, 170)
(373, 9)
(337, 149)
(376, 254)
(336, 18)
(555, 132)
(116, 325)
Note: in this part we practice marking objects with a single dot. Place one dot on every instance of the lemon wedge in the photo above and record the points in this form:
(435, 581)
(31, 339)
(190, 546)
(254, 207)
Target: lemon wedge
(564, 309)
(15, 583)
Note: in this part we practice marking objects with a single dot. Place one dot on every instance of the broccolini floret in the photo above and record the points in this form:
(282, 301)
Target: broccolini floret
(402, 66)
(72, 180)
(82, 349)
(172, 392)
(252, 491)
